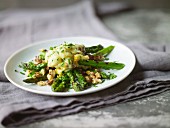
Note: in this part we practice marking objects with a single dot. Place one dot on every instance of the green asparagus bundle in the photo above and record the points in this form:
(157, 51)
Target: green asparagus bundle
(88, 73)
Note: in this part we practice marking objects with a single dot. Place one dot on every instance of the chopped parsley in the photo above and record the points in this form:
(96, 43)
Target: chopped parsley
(22, 73)
(51, 48)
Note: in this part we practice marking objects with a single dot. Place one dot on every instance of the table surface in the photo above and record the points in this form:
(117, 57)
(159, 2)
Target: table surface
(140, 26)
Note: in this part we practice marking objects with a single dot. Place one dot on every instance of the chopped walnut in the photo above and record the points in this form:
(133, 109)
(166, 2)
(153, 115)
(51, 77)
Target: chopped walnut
(93, 77)
(37, 74)
(42, 83)
(47, 68)
(50, 82)
(97, 74)
(37, 60)
(98, 57)
(95, 81)
(88, 79)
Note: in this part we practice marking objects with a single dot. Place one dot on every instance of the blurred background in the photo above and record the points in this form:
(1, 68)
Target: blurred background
(4, 4)
(130, 20)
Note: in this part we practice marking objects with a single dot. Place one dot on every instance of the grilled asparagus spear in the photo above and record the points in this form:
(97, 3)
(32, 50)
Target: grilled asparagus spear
(101, 64)
(93, 49)
(105, 51)
(35, 80)
(61, 87)
(61, 84)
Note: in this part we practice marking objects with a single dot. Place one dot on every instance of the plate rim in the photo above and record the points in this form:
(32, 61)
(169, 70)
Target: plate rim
(61, 94)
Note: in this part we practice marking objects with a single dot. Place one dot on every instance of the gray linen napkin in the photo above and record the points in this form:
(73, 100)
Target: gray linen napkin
(19, 28)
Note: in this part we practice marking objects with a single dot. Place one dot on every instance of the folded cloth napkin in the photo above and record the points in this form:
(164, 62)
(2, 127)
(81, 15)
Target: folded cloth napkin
(21, 27)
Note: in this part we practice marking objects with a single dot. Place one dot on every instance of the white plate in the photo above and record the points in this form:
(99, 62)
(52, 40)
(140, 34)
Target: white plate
(120, 54)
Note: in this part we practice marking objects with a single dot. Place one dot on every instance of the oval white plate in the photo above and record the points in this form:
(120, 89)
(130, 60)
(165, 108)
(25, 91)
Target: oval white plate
(120, 53)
